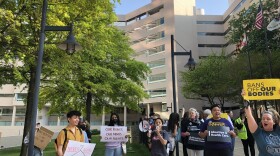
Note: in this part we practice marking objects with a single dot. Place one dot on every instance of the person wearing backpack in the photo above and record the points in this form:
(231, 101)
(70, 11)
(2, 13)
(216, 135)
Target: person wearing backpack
(172, 127)
(71, 132)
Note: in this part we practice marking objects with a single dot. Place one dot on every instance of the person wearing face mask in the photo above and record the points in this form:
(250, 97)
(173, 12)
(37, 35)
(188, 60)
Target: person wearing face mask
(82, 126)
(114, 148)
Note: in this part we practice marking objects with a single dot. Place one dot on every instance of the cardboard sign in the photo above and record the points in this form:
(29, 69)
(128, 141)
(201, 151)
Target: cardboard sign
(194, 139)
(261, 89)
(218, 134)
(113, 133)
(75, 148)
(43, 137)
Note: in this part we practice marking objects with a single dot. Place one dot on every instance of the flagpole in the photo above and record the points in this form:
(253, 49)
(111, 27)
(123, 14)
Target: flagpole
(251, 73)
(268, 56)
(267, 47)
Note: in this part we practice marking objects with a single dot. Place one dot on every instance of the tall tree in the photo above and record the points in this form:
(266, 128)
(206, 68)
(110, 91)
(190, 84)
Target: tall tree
(211, 80)
(92, 20)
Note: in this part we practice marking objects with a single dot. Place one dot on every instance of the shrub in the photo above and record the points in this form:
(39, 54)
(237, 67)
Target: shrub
(95, 132)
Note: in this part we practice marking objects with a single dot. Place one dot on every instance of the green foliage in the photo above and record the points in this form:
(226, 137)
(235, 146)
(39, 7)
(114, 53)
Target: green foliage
(102, 68)
(212, 79)
(244, 21)
(95, 132)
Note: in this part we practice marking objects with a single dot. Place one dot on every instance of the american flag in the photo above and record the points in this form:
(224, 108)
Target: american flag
(259, 18)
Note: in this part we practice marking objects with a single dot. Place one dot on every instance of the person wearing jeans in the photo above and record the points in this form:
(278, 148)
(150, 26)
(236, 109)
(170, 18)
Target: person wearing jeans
(114, 148)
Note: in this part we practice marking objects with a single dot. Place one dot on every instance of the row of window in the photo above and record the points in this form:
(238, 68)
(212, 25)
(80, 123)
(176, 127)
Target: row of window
(18, 96)
(149, 26)
(140, 17)
(9, 111)
(150, 38)
(160, 92)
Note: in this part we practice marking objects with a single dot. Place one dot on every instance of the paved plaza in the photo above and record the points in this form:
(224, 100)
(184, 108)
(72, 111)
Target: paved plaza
(238, 149)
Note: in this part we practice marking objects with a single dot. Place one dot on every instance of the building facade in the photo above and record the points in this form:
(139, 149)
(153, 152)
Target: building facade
(149, 29)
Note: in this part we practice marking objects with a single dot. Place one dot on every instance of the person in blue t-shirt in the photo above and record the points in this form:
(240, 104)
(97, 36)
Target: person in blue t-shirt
(216, 148)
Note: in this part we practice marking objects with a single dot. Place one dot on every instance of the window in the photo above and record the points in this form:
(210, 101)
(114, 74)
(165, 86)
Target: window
(210, 34)
(160, 92)
(155, 23)
(156, 50)
(7, 112)
(155, 36)
(20, 111)
(157, 63)
(6, 95)
(151, 51)
(210, 22)
(157, 78)
(21, 96)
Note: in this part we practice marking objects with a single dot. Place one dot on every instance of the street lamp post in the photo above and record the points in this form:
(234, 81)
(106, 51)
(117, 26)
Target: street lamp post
(191, 64)
(70, 45)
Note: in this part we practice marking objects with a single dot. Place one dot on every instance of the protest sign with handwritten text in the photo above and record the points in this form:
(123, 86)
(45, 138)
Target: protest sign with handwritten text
(113, 133)
(43, 137)
(75, 148)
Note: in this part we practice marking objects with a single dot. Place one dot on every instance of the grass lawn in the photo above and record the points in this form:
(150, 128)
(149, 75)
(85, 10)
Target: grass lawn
(133, 149)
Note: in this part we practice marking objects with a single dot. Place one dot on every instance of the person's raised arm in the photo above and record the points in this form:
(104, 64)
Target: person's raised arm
(251, 121)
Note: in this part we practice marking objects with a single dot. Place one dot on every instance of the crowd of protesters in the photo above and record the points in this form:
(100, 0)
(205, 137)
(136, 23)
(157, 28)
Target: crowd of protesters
(194, 123)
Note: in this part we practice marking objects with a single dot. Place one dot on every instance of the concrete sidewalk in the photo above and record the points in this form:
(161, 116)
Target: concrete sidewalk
(238, 149)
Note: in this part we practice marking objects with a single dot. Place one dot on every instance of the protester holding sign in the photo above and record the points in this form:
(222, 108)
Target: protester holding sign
(172, 126)
(158, 139)
(114, 148)
(267, 137)
(71, 132)
(218, 132)
(195, 145)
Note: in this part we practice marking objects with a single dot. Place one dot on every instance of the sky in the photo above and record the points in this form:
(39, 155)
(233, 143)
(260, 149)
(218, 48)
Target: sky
(211, 7)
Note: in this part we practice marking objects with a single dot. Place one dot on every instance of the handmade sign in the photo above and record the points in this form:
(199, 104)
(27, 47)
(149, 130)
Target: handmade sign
(43, 137)
(261, 89)
(75, 148)
(113, 133)
(218, 134)
(194, 139)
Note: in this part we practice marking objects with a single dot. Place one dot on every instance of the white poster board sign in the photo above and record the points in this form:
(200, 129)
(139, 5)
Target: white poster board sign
(75, 148)
(113, 134)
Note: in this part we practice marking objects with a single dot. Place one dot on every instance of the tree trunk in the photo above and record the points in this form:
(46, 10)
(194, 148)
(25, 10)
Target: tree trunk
(28, 113)
(88, 106)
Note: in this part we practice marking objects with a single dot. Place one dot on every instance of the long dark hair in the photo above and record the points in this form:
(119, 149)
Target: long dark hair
(112, 123)
(173, 120)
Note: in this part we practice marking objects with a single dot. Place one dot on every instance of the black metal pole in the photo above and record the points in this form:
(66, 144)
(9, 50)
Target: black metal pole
(173, 74)
(37, 79)
(174, 86)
